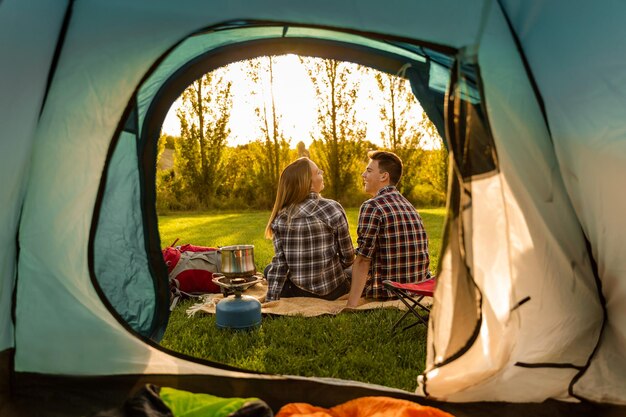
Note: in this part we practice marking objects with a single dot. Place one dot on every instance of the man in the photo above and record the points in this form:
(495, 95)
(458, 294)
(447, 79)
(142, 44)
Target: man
(392, 242)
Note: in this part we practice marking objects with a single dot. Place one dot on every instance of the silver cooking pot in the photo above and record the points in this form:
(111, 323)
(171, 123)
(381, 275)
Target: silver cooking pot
(238, 260)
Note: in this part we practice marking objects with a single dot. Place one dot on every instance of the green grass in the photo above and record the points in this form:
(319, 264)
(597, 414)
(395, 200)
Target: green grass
(352, 346)
(248, 227)
(355, 346)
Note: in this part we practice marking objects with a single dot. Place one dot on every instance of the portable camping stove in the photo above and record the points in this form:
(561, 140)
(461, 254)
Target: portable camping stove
(240, 311)
(235, 285)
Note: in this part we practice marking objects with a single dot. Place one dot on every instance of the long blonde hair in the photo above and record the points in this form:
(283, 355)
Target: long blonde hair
(294, 186)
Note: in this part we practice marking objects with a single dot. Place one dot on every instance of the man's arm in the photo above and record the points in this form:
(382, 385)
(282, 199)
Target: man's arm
(360, 269)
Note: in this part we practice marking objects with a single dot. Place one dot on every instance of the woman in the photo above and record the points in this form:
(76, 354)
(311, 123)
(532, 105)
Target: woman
(312, 244)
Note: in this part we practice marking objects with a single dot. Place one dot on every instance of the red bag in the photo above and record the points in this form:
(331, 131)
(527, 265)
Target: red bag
(190, 269)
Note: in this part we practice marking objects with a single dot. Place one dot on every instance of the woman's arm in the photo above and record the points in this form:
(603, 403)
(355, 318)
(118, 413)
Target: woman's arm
(277, 273)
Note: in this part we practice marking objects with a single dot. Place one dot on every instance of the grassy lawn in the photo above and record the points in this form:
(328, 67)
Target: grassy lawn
(352, 346)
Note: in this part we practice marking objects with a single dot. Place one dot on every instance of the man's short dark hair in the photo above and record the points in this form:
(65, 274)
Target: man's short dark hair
(388, 162)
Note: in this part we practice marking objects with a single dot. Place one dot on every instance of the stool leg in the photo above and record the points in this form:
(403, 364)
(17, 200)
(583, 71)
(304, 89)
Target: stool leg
(411, 309)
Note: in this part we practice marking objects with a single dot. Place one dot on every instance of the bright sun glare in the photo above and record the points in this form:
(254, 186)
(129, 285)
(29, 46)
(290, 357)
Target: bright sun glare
(295, 101)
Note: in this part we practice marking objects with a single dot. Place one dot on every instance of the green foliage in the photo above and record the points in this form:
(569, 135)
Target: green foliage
(160, 147)
(273, 147)
(240, 186)
(167, 200)
(426, 194)
(169, 141)
(424, 177)
(203, 117)
(339, 150)
(360, 344)
(434, 170)
(427, 184)
(395, 112)
(165, 179)
(270, 160)
(207, 174)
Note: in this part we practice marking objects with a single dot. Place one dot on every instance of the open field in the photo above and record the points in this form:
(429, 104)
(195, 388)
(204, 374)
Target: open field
(248, 227)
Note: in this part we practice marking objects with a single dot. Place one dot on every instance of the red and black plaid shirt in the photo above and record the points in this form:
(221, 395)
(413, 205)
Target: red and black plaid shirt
(392, 235)
(311, 248)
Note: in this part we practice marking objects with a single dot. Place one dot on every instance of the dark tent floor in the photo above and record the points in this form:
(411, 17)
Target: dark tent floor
(34, 395)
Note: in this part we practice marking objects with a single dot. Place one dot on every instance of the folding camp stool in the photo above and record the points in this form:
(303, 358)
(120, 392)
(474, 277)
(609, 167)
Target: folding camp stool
(411, 296)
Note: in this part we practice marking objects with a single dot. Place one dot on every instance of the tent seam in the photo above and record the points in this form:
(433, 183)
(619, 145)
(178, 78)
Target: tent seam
(57, 52)
(529, 72)
(547, 365)
(598, 281)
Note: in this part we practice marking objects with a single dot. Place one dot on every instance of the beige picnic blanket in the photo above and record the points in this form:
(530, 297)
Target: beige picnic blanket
(296, 306)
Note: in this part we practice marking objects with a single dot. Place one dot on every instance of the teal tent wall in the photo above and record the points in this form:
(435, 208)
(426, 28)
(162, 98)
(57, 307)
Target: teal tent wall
(26, 61)
(577, 55)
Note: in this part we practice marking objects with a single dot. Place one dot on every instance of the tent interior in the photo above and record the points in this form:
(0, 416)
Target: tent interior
(530, 288)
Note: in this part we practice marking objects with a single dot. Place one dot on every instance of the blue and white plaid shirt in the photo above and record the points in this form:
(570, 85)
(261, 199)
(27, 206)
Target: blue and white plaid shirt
(312, 248)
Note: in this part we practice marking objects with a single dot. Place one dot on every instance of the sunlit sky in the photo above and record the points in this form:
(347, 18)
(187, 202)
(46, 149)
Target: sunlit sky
(295, 100)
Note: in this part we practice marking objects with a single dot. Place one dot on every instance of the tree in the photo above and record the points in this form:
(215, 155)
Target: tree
(434, 172)
(166, 186)
(203, 115)
(339, 149)
(406, 132)
(239, 185)
(274, 154)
